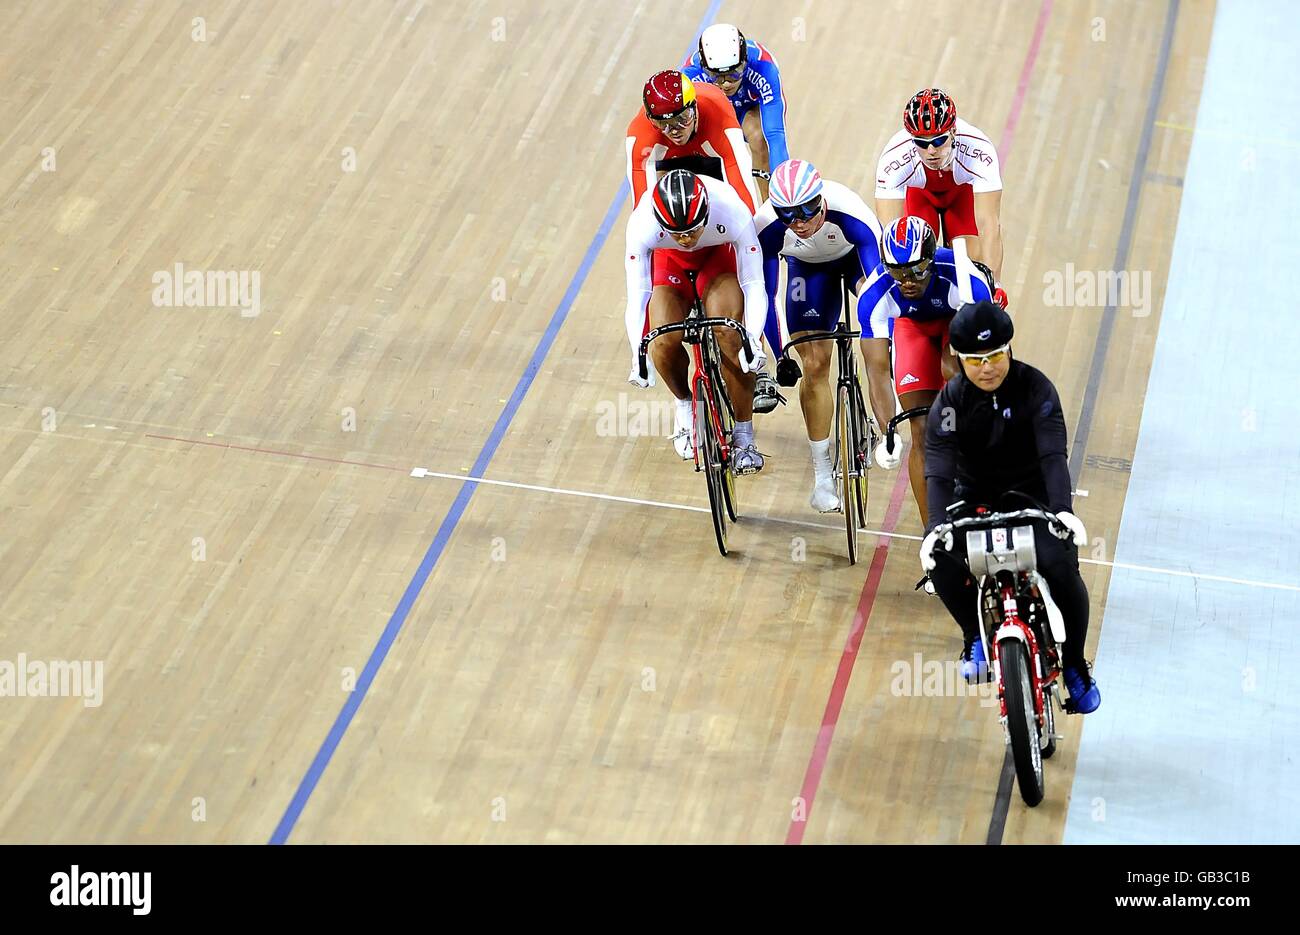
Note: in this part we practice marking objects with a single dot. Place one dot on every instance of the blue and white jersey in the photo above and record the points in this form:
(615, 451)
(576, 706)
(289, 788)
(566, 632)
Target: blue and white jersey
(761, 88)
(850, 225)
(882, 300)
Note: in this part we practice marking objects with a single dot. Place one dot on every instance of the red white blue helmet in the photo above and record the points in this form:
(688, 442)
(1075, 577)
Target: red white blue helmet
(907, 241)
(794, 182)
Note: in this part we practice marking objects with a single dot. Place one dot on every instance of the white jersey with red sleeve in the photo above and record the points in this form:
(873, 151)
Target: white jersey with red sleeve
(974, 163)
(729, 222)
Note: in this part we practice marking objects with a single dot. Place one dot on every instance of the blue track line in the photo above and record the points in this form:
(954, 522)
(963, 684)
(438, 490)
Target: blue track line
(322, 759)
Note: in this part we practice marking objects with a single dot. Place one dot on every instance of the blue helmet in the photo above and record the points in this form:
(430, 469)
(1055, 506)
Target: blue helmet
(906, 242)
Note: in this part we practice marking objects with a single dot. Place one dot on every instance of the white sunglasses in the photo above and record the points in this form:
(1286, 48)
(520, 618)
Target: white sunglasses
(986, 357)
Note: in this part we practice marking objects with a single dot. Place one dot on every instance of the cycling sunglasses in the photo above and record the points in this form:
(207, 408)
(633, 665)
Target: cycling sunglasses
(986, 357)
(690, 231)
(734, 73)
(935, 141)
(804, 212)
(914, 273)
(678, 121)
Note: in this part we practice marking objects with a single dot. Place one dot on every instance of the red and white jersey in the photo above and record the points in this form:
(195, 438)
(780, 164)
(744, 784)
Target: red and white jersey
(729, 222)
(974, 163)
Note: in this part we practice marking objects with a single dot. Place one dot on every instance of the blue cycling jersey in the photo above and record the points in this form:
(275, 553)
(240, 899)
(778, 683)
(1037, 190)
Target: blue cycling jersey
(882, 300)
(761, 88)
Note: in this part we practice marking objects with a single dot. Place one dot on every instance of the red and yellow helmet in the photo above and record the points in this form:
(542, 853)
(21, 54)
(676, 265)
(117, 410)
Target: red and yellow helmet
(667, 94)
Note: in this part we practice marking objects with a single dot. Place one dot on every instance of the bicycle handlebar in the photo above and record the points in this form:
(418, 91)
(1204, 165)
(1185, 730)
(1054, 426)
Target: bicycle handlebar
(788, 370)
(692, 326)
(988, 520)
(892, 428)
(838, 334)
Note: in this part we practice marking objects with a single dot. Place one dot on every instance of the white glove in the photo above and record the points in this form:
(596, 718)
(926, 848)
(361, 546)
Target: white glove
(927, 548)
(1075, 525)
(889, 460)
(634, 376)
(760, 358)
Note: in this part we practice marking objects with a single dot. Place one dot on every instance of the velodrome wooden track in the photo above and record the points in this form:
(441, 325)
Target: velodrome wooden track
(574, 669)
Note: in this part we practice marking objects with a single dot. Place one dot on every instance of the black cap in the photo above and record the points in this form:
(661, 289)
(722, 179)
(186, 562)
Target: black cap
(979, 326)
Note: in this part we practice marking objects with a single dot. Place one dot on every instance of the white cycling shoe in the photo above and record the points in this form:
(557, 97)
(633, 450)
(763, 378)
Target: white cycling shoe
(682, 440)
(746, 460)
(766, 395)
(825, 498)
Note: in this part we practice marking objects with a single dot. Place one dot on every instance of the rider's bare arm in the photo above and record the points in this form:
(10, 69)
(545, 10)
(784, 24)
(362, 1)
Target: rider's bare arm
(889, 210)
(988, 210)
(875, 353)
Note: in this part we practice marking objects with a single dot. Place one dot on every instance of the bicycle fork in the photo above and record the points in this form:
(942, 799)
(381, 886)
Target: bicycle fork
(1015, 628)
(700, 384)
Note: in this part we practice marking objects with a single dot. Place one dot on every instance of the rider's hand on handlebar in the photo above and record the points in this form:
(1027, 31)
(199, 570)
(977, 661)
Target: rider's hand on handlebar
(1075, 525)
(634, 377)
(889, 459)
(927, 548)
(759, 361)
(1000, 297)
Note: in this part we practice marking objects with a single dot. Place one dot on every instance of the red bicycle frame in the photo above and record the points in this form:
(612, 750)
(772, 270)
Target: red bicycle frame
(701, 376)
(1011, 618)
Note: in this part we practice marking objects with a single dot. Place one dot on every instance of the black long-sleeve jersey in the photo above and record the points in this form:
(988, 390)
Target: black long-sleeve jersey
(991, 443)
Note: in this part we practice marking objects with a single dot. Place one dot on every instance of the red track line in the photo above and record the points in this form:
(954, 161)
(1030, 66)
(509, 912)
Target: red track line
(1022, 86)
(812, 776)
(272, 451)
(849, 655)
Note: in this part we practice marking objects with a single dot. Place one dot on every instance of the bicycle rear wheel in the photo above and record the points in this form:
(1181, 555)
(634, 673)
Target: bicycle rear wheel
(1022, 725)
(711, 456)
(846, 466)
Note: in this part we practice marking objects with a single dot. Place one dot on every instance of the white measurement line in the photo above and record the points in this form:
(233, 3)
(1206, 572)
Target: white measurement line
(836, 527)
(422, 472)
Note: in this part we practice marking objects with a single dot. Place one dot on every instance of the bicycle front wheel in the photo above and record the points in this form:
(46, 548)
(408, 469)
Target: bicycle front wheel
(847, 468)
(863, 446)
(1047, 739)
(711, 456)
(727, 419)
(1022, 725)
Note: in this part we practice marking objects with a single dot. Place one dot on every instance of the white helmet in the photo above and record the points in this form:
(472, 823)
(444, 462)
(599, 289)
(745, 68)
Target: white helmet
(722, 48)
